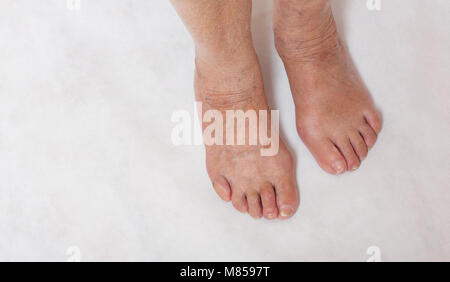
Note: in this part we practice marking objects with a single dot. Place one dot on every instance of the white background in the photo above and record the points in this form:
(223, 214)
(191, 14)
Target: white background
(86, 158)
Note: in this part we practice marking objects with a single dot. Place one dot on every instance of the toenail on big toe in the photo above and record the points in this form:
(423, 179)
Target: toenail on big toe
(338, 166)
(286, 212)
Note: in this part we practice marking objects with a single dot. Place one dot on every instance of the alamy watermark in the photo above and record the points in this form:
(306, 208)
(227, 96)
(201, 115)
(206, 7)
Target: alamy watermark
(73, 5)
(375, 254)
(230, 127)
(373, 5)
(73, 254)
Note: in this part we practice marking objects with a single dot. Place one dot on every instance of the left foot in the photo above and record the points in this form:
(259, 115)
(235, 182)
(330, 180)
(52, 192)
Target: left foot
(336, 118)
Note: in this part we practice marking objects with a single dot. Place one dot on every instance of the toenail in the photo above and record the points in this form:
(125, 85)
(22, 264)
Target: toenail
(270, 215)
(286, 212)
(355, 167)
(338, 167)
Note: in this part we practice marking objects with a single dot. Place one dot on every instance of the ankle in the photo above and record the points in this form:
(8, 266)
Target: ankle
(230, 86)
(304, 5)
(225, 56)
(226, 59)
(231, 76)
(304, 29)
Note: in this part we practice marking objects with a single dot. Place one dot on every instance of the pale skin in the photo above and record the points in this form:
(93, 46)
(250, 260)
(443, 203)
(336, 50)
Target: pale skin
(335, 115)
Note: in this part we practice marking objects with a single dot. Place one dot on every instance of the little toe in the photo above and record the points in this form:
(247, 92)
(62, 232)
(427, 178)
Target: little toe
(254, 204)
(347, 150)
(359, 145)
(222, 188)
(268, 199)
(373, 118)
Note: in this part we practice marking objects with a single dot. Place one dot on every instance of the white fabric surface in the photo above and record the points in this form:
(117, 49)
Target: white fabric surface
(86, 159)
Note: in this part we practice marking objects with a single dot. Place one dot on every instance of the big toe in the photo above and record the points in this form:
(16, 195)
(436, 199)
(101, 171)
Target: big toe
(287, 198)
(328, 156)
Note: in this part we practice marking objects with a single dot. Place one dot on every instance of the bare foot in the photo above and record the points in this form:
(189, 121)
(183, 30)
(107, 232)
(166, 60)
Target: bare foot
(261, 186)
(228, 77)
(335, 115)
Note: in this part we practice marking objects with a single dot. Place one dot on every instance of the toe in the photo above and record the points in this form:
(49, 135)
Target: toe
(222, 188)
(347, 150)
(373, 118)
(359, 145)
(369, 135)
(287, 198)
(268, 201)
(328, 156)
(239, 201)
(254, 204)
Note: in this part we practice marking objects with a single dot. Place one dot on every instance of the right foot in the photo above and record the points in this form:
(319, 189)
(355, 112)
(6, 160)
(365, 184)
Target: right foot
(259, 185)
(335, 115)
